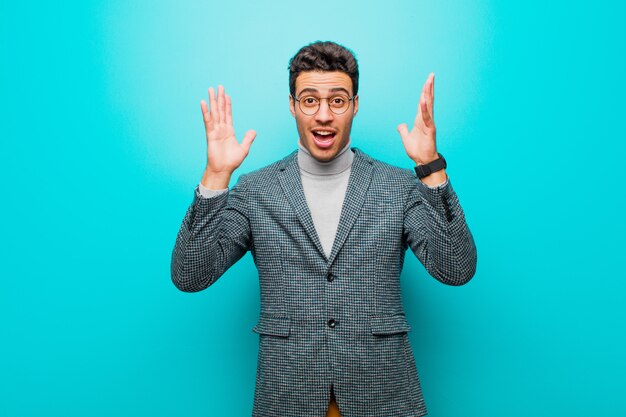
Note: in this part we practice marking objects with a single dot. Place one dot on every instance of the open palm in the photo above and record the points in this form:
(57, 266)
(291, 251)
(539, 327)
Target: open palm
(420, 143)
(224, 152)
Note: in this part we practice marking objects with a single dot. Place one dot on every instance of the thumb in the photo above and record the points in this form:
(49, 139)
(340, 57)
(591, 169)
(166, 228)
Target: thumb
(248, 139)
(403, 130)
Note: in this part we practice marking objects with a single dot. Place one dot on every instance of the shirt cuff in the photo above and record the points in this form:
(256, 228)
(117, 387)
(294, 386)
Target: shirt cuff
(438, 186)
(207, 193)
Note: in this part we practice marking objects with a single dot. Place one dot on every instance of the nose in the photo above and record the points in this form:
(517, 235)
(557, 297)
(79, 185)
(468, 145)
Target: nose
(324, 114)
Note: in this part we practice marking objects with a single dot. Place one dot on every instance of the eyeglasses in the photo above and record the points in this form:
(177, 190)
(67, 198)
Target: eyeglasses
(337, 104)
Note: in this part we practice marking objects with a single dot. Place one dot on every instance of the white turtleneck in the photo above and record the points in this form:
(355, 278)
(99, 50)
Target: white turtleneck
(325, 185)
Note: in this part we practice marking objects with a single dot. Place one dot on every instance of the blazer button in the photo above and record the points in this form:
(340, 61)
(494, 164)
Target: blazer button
(332, 323)
(330, 277)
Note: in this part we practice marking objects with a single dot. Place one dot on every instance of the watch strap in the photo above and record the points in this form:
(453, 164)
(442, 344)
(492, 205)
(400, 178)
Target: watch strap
(433, 166)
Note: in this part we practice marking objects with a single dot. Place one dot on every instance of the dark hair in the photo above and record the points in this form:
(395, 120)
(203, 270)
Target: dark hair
(323, 56)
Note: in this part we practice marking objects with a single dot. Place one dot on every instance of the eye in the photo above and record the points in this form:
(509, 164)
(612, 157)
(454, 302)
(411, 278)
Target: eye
(309, 101)
(338, 101)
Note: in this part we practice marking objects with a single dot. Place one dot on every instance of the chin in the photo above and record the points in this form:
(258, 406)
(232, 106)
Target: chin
(324, 155)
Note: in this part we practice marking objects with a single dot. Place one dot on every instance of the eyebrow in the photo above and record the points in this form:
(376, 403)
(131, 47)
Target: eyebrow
(315, 90)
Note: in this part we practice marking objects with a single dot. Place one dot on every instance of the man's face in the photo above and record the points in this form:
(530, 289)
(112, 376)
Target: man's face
(325, 133)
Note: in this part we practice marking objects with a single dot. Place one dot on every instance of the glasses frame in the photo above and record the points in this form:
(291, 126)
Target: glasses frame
(319, 105)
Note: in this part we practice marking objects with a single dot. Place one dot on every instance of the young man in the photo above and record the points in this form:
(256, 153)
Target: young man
(328, 227)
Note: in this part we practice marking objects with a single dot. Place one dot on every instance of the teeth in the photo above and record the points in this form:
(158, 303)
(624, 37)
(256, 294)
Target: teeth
(323, 133)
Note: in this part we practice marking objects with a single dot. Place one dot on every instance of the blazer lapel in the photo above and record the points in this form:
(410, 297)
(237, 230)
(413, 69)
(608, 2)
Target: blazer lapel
(358, 184)
(289, 178)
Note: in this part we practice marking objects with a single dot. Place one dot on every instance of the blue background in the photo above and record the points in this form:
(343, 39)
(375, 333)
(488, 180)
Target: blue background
(103, 144)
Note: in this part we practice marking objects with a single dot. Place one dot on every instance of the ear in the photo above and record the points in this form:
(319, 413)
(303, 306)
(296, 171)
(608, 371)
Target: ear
(356, 105)
(292, 105)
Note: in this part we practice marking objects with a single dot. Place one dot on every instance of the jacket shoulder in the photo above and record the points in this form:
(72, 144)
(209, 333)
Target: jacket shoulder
(261, 176)
(386, 171)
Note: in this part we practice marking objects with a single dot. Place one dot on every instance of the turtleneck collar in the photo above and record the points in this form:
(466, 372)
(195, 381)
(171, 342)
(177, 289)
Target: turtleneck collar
(341, 162)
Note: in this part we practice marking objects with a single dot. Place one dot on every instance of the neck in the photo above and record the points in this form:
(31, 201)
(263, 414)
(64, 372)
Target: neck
(341, 162)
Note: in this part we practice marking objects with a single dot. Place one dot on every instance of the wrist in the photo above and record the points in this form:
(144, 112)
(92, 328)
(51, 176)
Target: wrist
(433, 167)
(435, 179)
(215, 180)
(426, 160)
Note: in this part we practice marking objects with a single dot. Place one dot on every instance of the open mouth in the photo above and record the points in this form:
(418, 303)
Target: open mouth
(324, 138)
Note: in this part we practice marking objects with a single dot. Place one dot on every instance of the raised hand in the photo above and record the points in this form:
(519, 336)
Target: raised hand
(420, 143)
(224, 152)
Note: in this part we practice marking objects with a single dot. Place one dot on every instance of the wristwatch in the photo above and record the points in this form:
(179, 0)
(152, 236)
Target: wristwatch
(434, 166)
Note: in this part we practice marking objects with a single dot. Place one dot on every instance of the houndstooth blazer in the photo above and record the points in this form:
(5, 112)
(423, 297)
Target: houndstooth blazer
(329, 322)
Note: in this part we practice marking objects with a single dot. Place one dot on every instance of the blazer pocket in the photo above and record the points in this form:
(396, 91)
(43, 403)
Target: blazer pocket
(273, 326)
(388, 325)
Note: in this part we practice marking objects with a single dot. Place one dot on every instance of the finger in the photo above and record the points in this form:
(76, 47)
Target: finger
(229, 111)
(213, 106)
(221, 103)
(419, 117)
(425, 114)
(206, 116)
(430, 96)
(432, 85)
(248, 139)
(404, 131)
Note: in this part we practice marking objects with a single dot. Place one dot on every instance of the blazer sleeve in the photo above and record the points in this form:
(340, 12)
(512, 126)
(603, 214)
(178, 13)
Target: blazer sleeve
(436, 231)
(215, 233)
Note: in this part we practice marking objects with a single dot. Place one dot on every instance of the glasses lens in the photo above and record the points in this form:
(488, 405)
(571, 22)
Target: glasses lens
(339, 104)
(309, 105)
